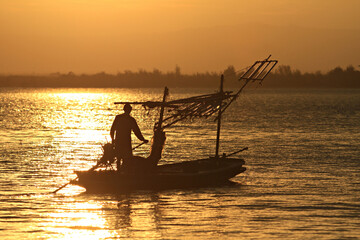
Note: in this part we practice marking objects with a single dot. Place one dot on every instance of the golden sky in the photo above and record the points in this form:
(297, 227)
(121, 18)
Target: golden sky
(89, 36)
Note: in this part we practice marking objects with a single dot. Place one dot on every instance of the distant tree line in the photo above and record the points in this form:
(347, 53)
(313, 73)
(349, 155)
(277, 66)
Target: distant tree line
(284, 76)
(281, 77)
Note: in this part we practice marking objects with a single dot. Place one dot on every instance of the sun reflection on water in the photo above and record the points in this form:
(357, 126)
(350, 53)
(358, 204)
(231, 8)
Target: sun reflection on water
(111, 217)
(80, 220)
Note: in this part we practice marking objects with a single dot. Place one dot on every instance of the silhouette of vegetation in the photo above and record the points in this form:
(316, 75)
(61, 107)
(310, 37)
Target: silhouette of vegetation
(284, 76)
(281, 77)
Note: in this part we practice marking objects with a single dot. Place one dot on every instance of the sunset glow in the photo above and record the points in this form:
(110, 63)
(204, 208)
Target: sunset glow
(92, 36)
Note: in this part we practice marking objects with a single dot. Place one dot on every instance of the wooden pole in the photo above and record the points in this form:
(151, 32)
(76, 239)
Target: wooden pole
(159, 125)
(219, 117)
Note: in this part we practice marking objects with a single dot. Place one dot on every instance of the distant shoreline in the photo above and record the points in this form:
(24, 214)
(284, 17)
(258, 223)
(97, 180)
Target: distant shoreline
(282, 77)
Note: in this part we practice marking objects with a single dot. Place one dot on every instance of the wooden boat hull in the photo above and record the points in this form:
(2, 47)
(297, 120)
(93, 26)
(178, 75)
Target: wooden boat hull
(204, 172)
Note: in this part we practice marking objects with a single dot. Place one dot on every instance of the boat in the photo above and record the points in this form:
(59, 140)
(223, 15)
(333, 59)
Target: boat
(147, 173)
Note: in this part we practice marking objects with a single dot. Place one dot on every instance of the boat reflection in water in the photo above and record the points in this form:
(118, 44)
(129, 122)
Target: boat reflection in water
(131, 216)
(149, 215)
(136, 216)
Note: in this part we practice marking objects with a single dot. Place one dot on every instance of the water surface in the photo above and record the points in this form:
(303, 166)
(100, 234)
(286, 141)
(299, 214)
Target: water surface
(302, 179)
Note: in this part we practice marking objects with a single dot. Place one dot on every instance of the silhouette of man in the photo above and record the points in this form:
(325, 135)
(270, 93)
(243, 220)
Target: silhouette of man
(120, 133)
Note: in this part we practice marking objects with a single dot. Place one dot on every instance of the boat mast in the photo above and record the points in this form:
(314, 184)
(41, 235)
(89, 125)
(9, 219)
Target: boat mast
(219, 117)
(158, 126)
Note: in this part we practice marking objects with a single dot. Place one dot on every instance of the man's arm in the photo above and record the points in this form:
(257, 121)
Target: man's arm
(137, 132)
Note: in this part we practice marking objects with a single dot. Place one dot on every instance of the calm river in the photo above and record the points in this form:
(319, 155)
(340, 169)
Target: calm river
(302, 179)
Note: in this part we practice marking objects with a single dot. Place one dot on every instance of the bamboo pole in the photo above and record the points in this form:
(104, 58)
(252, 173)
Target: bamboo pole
(158, 126)
(219, 119)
